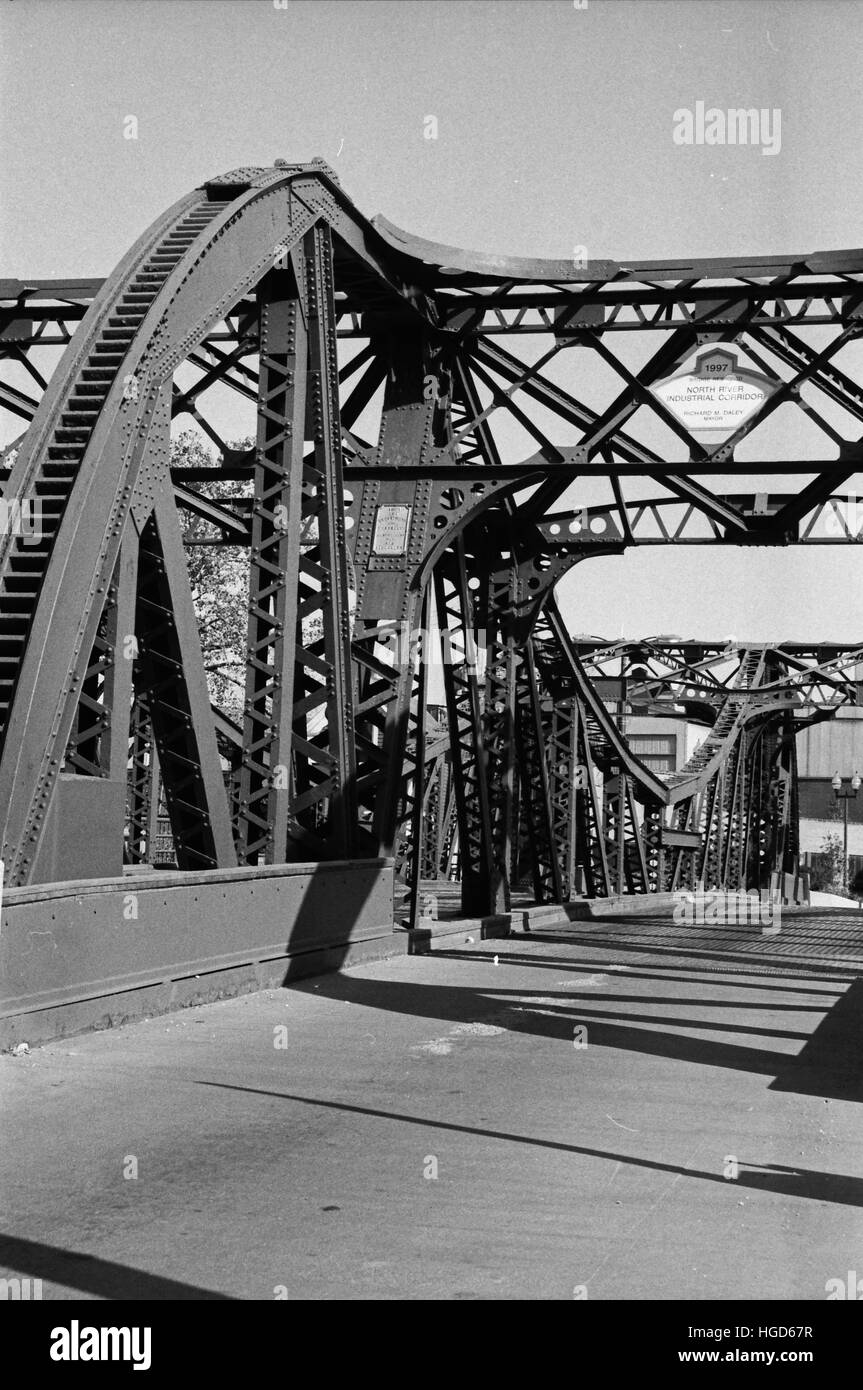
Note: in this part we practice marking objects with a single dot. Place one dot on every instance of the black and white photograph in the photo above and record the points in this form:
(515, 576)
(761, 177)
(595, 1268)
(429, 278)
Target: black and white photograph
(431, 668)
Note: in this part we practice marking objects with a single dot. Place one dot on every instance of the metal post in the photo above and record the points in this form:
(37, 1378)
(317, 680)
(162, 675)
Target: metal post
(845, 843)
(845, 794)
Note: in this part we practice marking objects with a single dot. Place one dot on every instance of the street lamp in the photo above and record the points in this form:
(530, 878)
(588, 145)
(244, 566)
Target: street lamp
(845, 794)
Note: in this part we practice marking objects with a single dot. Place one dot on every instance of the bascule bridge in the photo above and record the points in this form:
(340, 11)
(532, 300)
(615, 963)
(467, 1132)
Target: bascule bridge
(440, 437)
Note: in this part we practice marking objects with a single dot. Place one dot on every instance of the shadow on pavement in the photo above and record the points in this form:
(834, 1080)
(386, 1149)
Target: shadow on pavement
(663, 972)
(828, 1065)
(795, 1182)
(89, 1274)
(739, 953)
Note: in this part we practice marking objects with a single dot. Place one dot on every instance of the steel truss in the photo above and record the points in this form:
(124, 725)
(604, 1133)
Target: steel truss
(411, 688)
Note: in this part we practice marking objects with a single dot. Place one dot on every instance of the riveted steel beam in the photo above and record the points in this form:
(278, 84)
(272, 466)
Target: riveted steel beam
(274, 562)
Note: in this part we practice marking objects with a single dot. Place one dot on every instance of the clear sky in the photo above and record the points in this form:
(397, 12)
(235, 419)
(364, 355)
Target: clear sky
(554, 130)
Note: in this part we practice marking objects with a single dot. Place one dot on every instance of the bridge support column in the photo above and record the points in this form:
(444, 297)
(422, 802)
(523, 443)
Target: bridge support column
(470, 766)
(265, 779)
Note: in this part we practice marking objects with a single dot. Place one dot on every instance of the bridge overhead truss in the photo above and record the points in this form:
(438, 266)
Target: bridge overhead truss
(438, 438)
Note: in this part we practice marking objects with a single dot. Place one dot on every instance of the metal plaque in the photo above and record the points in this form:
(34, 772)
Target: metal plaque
(716, 395)
(392, 521)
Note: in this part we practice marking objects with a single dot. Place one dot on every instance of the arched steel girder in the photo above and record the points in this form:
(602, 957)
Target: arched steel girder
(97, 457)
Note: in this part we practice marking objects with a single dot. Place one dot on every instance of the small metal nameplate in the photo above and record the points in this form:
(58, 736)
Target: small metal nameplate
(391, 530)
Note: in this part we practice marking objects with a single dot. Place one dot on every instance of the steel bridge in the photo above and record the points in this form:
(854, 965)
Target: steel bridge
(440, 436)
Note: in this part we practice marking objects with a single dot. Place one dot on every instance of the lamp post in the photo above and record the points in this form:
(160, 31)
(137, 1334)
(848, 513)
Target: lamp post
(845, 794)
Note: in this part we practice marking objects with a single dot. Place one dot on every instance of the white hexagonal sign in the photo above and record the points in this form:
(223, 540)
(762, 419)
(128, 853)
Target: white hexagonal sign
(716, 395)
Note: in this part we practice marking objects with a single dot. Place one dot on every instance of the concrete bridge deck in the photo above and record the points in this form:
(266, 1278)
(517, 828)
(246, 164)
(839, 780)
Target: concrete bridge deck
(430, 1130)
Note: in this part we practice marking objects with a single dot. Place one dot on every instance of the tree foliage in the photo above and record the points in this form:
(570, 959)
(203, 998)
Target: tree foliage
(827, 874)
(219, 581)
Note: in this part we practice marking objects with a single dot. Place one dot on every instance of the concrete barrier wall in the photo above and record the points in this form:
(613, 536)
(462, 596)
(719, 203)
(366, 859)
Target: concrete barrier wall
(97, 953)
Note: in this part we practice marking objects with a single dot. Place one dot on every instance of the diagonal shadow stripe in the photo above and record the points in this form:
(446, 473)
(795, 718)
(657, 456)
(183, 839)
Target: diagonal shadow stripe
(796, 1182)
(576, 1007)
(90, 1274)
(457, 1004)
(666, 972)
(829, 1064)
(801, 967)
